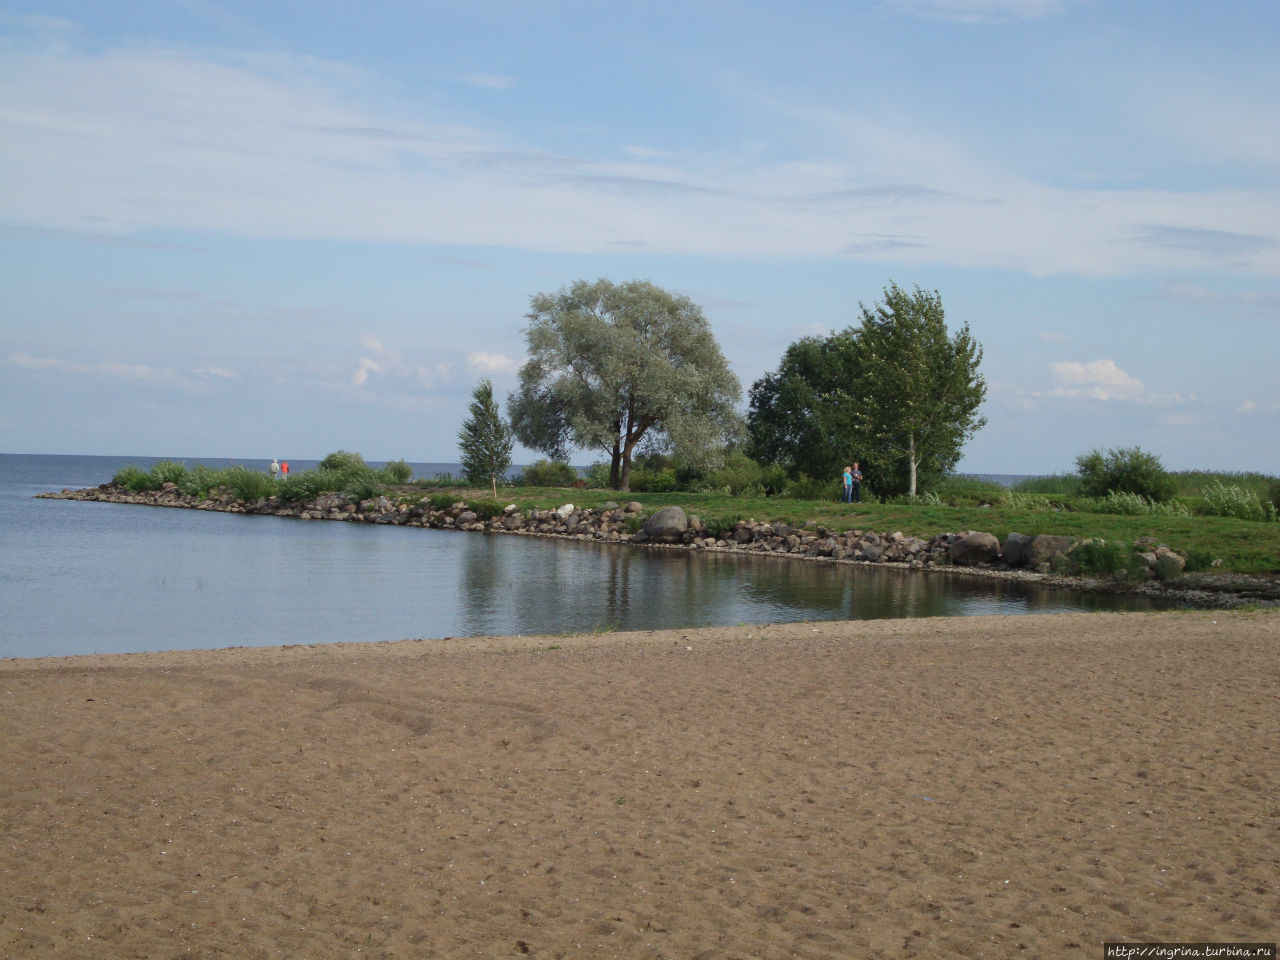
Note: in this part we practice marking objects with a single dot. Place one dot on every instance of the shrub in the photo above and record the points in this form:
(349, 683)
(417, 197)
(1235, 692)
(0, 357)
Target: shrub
(1124, 471)
(169, 471)
(134, 478)
(341, 460)
(1033, 502)
(362, 484)
(1132, 505)
(740, 476)
(200, 480)
(549, 473)
(1099, 558)
(486, 509)
(598, 476)
(246, 484)
(1273, 493)
(396, 471)
(653, 481)
(802, 488)
(1232, 501)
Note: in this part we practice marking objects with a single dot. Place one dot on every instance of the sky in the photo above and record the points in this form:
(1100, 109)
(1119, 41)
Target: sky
(257, 229)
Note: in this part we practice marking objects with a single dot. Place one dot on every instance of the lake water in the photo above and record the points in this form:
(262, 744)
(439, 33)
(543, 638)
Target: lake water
(81, 578)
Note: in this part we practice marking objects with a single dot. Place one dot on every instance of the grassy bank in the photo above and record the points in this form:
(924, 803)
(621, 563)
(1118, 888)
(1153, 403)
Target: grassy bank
(1190, 525)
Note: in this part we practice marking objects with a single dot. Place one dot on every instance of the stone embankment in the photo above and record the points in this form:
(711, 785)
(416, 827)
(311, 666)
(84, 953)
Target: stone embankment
(973, 551)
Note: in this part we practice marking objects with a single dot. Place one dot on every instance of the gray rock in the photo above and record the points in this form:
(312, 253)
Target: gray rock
(668, 525)
(1169, 565)
(1045, 547)
(974, 549)
(1016, 548)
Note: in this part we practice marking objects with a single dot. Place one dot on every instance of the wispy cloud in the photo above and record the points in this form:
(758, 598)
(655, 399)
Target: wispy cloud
(383, 368)
(1212, 243)
(1050, 336)
(122, 143)
(978, 11)
(113, 369)
(482, 362)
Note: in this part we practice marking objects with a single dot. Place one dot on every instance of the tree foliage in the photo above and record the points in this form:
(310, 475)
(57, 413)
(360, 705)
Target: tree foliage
(485, 440)
(801, 415)
(1130, 470)
(897, 393)
(614, 366)
(921, 389)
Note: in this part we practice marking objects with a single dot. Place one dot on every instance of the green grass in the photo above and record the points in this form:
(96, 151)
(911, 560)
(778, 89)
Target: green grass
(1242, 545)
(1045, 505)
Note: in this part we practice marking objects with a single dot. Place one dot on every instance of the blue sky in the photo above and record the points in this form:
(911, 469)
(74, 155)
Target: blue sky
(252, 229)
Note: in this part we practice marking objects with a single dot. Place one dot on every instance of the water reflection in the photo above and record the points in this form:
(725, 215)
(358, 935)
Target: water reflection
(511, 584)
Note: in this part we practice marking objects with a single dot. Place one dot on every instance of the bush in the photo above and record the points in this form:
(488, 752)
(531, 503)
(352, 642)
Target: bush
(598, 476)
(1124, 471)
(1273, 493)
(169, 471)
(396, 471)
(1224, 501)
(246, 484)
(199, 481)
(1132, 505)
(135, 479)
(1032, 502)
(743, 477)
(1099, 558)
(653, 481)
(341, 460)
(486, 509)
(549, 473)
(802, 488)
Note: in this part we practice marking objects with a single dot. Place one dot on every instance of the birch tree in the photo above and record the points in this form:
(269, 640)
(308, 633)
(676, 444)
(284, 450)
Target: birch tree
(921, 389)
(485, 440)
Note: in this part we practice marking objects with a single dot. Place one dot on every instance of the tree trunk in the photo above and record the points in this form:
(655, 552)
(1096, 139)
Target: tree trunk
(494, 480)
(912, 461)
(615, 476)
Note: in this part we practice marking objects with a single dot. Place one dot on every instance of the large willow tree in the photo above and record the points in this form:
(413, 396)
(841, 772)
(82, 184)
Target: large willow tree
(612, 366)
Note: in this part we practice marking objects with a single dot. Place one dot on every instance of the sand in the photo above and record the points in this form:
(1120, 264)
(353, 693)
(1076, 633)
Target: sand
(973, 787)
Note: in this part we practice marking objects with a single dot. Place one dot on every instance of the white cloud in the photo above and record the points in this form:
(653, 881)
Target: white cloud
(1097, 380)
(113, 369)
(383, 367)
(220, 372)
(1252, 407)
(125, 142)
(481, 362)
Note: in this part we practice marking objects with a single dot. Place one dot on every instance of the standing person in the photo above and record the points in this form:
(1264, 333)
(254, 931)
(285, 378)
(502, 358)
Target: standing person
(857, 483)
(846, 496)
(284, 470)
(275, 469)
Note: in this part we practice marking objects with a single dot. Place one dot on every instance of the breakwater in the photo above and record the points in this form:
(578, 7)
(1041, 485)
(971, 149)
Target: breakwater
(1043, 556)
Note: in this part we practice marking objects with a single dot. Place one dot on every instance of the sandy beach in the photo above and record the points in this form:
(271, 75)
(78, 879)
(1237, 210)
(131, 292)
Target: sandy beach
(968, 787)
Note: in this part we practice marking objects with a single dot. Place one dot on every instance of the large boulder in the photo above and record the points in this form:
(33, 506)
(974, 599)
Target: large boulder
(668, 525)
(1016, 548)
(974, 549)
(1046, 547)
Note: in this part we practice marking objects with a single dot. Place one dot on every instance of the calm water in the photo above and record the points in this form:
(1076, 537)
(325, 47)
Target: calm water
(110, 578)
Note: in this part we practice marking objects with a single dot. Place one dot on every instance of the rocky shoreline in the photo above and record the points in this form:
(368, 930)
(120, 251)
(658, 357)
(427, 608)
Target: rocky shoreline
(1045, 558)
